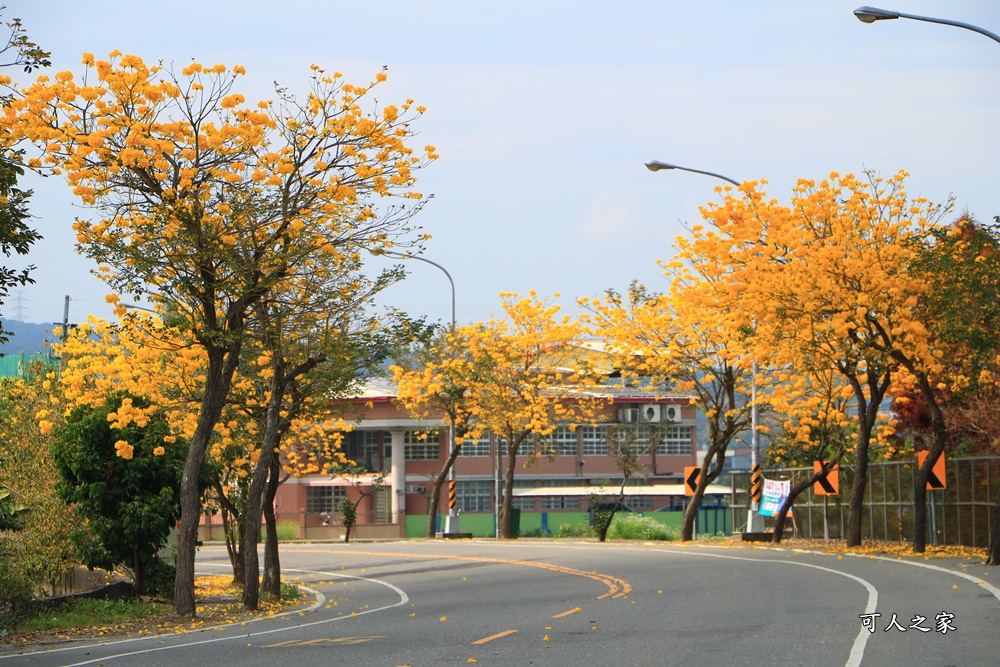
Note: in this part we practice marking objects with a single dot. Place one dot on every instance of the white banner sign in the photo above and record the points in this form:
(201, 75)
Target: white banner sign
(774, 496)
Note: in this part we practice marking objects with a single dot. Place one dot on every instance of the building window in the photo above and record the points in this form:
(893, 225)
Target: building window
(674, 440)
(475, 447)
(368, 456)
(474, 496)
(639, 502)
(324, 499)
(423, 446)
(635, 436)
(595, 440)
(525, 449)
(562, 442)
(526, 503)
(559, 502)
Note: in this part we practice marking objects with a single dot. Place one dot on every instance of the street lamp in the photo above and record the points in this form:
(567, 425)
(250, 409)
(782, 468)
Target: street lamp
(755, 523)
(656, 165)
(133, 306)
(392, 253)
(451, 521)
(872, 14)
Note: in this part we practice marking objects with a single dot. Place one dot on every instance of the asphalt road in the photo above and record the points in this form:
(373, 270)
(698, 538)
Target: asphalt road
(451, 602)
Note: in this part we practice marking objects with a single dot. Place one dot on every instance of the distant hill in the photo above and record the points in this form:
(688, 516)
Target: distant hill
(27, 338)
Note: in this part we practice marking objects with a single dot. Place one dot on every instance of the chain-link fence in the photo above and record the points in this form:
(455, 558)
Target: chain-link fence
(956, 515)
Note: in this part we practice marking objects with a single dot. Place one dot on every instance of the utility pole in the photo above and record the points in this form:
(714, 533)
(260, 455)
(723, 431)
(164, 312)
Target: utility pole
(65, 334)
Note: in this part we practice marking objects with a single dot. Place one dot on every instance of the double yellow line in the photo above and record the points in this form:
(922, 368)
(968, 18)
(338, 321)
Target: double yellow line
(617, 587)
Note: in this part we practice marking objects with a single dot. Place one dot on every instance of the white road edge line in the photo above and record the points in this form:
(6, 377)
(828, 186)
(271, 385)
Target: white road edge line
(978, 581)
(320, 599)
(860, 642)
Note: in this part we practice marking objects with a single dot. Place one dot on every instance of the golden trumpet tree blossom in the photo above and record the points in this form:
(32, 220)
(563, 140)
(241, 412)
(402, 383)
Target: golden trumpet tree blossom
(533, 379)
(211, 202)
(826, 282)
(436, 383)
(686, 339)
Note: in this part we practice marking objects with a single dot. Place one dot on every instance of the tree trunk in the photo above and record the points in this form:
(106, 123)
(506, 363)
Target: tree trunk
(795, 491)
(705, 477)
(691, 511)
(508, 488)
(221, 366)
(231, 531)
(271, 581)
(856, 506)
(936, 450)
(251, 524)
(993, 557)
(435, 500)
(138, 580)
(786, 507)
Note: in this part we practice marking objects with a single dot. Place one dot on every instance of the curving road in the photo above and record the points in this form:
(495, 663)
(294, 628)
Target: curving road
(574, 604)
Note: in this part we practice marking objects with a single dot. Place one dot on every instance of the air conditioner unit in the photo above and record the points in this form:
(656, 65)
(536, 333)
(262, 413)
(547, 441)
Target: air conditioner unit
(628, 415)
(415, 488)
(650, 413)
(671, 413)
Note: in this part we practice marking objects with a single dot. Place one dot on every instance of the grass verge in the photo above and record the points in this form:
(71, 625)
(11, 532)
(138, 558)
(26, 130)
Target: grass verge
(218, 603)
(90, 613)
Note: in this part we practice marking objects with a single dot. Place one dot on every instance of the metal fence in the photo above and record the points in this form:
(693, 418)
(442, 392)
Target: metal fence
(956, 515)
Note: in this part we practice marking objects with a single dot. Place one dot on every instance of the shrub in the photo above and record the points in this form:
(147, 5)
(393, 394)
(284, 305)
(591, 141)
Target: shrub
(289, 592)
(160, 579)
(287, 530)
(15, 588)
(628, 526)
(575, 530)
(124, 481)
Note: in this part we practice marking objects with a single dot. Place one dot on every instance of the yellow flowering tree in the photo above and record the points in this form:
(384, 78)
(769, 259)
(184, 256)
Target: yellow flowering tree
(315, 344)
(685, 339)
(42, 549)
(827, 282)
(536, 380)
(210, 204)
(816, 425)
(435, 382)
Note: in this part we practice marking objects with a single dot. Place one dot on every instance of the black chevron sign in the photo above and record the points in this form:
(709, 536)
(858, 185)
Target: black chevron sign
(935, 476)
(828, 484)
(691, 474)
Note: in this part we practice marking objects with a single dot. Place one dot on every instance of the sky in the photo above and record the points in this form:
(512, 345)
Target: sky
(545, 112)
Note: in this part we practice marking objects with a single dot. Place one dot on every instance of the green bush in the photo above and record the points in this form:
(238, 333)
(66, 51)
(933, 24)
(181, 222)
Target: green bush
(287, 530)
(129, 496)
(289, 592)
(575, 530)
(534, 532)
(15, 589)
(627, 526)
(160, 579)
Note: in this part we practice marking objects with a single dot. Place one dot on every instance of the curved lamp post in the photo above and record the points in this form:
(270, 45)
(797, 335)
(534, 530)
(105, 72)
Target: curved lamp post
(755, 523)
(451, 521)
(400, 255)
(656, 165)
(873, 14)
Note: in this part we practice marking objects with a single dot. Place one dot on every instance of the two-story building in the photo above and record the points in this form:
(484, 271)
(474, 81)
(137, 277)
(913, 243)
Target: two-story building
(549, 490)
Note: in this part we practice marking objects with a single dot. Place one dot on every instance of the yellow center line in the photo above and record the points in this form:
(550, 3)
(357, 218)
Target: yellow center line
(492, 637)
(568, 613)
(616, 587)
